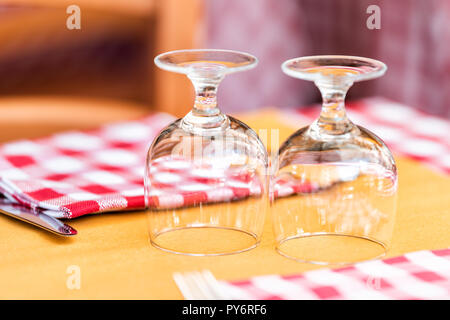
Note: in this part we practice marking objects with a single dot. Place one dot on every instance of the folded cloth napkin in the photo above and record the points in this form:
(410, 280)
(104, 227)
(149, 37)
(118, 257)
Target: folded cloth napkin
(80, 172)
(75, 173)
(177, 182)
(416, 275)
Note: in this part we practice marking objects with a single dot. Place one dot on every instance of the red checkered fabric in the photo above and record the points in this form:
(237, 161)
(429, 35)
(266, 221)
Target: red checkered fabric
(407, 131)
(286, 187)
(412, 41)
(76, 173)
(416, 275)
(178, 183)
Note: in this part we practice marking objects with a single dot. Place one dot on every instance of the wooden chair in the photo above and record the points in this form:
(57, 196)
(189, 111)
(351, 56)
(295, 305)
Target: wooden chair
(36, 33)
(179, 26)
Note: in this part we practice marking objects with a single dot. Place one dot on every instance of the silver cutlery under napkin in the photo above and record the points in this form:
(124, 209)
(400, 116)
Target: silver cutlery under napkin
(36, 218)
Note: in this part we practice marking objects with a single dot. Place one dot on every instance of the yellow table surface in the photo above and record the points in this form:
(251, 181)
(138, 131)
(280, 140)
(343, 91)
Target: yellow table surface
(116, 260)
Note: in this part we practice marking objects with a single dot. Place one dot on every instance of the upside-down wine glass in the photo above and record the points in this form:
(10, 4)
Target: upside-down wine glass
(206, 174)
(335, 183)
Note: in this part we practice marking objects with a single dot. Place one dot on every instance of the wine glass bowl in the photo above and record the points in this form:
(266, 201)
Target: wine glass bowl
(206, 174)
(334, 186)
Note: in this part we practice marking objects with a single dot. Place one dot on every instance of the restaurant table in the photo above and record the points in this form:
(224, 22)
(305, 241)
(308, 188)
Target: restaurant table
(112, 250)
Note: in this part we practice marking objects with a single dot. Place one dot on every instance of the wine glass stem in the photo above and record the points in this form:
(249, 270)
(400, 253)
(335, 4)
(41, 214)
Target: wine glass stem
(333, 117)
(205, 115)
(205, 97)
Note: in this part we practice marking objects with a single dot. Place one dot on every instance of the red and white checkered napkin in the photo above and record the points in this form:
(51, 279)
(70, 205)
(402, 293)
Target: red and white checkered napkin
(416, 275)
(406, 131)
(76, 173)
(178, 183)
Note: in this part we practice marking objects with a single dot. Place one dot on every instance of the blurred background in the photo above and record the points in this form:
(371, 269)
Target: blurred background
(107, 65)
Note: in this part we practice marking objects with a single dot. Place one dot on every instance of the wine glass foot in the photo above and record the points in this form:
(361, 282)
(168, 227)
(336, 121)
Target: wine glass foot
(331, 249)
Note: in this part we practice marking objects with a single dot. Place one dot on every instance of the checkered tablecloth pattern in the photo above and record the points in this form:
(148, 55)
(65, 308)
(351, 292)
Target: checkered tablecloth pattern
(81, 172)
(72, 174)
(416, 275)
(406, 131)
(178, 183)
(76, 173)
